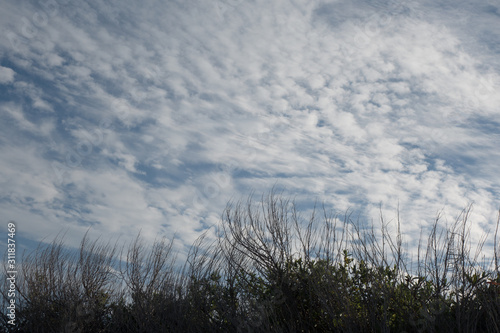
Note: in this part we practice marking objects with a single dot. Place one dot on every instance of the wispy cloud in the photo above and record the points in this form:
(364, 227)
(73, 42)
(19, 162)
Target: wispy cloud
(151, 116)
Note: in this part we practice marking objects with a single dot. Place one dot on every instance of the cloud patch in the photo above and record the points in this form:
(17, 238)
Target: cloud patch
(6, 75)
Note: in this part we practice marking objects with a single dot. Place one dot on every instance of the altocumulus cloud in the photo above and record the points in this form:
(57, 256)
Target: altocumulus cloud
(150, 116)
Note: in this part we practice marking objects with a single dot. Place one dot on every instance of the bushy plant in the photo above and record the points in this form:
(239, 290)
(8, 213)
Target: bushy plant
(268, 271)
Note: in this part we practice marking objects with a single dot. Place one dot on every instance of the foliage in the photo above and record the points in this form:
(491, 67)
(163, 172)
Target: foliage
(269, 271)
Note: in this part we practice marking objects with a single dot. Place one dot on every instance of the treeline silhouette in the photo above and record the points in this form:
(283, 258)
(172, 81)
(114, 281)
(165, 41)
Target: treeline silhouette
(268, 270)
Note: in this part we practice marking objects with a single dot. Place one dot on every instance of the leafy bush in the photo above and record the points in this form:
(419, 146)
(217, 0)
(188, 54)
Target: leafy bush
(268, 271)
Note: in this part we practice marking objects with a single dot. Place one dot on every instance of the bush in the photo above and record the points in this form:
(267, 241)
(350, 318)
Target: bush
(268, 271)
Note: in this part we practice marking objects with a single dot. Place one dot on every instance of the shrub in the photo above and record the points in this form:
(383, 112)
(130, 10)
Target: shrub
(268, 271)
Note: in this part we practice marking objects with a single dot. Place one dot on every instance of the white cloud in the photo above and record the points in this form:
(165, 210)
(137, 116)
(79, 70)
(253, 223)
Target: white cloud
(353, 102)
(6, 75)
(15, 112)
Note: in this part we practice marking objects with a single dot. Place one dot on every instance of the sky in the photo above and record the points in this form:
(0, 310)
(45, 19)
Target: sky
(127, 116)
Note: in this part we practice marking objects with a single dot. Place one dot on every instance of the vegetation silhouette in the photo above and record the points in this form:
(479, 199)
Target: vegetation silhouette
(268, 270)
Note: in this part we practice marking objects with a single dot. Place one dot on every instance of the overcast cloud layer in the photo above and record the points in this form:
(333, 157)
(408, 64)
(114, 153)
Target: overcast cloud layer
(151, 115)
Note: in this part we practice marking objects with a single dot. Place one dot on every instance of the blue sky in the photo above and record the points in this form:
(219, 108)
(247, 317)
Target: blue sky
(152, 115)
